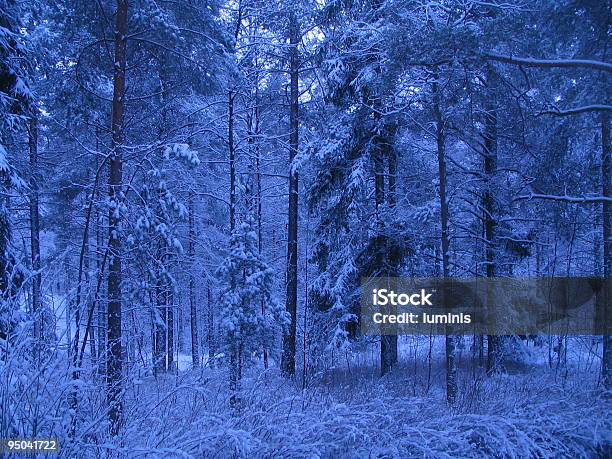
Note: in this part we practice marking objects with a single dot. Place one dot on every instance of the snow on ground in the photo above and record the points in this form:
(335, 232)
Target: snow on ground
(349, 412)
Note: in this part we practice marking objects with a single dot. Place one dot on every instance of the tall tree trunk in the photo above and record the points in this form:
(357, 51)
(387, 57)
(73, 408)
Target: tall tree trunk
(35, 230)
(386, 341)
(288, 357)
(212, 342)
(606, 175)
(258, 196)
(386, 256)
(101, 307)
(488, 203)
(159, 363)
(193, 307)
(180, 327)
(88, 282)
(231, 95)
(235, 376)
(451, 364)
(232, 161)
(69, 308)
(170, 326)
(260, 237)
(394, 255)
(114, 362)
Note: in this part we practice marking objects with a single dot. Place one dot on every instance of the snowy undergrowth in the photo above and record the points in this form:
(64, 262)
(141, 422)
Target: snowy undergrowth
(523, 415)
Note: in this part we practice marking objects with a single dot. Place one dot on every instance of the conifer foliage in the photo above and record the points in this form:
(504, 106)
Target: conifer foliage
(251, 316)
(192, 193)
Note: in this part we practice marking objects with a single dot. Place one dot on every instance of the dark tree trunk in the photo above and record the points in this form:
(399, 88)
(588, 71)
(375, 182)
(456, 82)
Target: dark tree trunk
(101, 307)
(489, 208)
(394, 255)
(451, 364)
(255, 131)
(606, 175)
(35, 229)
(159, 363)
(232, 161)
(180, 327)
(101, 325)
(288, 357)
(69, 309)
(114, 362)
(212, 342)
(91, 306)
(235, 376)
(193, 307)
(170, 326)
(386, 341)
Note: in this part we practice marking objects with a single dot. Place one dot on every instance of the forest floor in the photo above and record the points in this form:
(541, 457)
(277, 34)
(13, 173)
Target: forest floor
(350, 412)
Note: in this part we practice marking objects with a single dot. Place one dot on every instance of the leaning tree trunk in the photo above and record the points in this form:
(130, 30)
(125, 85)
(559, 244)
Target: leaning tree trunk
(288, 357)
(114, 362)
(451, 364)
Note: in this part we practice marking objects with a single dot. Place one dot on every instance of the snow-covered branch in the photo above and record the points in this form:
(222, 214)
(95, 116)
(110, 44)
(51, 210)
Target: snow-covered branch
(577, 110)
(568, 199)
(551, 63)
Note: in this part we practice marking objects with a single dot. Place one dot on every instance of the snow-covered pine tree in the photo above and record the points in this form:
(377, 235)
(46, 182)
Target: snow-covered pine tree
(15, 100)
(354, 236)
(247, 284)
(155, 242)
